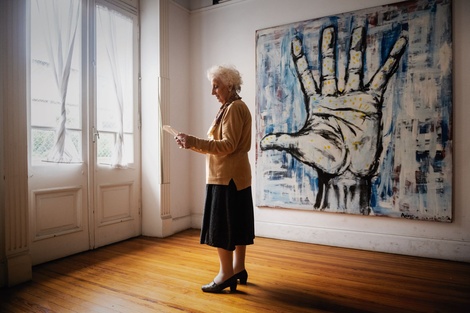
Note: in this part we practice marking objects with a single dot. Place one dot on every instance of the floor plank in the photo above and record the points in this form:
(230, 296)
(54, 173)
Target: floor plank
(165, 275)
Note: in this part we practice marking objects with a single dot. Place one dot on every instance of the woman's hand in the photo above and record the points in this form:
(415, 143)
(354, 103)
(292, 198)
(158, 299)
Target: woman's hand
(181, 140)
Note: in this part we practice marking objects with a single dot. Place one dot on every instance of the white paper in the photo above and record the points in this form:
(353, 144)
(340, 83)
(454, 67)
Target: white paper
(170, 130)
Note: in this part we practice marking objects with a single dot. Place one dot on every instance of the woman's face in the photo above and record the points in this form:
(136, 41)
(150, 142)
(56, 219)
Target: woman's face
(220, 90)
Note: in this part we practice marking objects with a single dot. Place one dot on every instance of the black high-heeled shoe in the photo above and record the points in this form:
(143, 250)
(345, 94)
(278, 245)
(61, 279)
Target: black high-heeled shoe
(242, 276)
(216, 288)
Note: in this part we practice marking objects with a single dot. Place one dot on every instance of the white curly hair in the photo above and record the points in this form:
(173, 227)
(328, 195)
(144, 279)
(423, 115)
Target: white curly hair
(228, 74)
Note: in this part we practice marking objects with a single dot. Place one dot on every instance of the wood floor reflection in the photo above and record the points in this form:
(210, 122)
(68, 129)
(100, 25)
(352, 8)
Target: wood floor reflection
(165, 275)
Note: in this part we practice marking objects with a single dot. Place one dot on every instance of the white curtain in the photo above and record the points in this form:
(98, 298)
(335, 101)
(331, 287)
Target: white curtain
(60, 22)
(115, 29)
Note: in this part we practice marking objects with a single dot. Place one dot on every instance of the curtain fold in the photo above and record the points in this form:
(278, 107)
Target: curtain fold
(61, 30)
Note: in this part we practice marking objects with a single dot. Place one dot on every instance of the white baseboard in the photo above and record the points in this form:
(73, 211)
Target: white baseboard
(413, 246)
(19, 269)
(196, 221)
(181, 223)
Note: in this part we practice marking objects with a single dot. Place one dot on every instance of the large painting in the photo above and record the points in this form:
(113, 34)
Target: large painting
(354, 113)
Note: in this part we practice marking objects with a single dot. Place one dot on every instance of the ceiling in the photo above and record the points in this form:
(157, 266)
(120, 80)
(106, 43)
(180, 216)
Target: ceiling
(197, 4)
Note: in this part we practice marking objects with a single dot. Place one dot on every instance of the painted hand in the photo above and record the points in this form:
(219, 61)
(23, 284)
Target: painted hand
(342, 131)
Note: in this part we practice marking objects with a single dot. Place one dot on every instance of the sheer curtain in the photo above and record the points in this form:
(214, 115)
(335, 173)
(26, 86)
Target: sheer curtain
(60, 20)
(114, 39)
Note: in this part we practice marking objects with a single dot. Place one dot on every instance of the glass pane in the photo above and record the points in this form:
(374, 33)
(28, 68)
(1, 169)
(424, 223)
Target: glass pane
(105, 147)
(106, 144)
(55, 102)
(115, 81)
(42, 142)
(129, 147)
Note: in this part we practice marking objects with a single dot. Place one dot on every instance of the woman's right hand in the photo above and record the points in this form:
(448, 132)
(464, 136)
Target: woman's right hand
(181, 140)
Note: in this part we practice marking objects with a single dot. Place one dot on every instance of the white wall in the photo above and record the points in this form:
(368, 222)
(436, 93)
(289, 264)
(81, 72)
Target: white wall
(179, 106)
(226, 34)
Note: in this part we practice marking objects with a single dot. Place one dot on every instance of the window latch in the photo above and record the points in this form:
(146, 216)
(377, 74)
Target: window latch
(96, 134)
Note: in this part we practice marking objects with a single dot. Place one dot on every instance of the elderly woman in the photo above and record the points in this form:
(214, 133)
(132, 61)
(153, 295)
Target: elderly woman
(228, 222)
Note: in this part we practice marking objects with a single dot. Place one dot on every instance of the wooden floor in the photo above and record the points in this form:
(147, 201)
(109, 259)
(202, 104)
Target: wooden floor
(165, 275)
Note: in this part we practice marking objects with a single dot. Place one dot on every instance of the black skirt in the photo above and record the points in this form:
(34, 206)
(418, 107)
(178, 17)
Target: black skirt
(228, 217)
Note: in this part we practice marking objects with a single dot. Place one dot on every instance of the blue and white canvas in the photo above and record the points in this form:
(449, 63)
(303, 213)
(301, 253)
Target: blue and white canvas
(354, 113)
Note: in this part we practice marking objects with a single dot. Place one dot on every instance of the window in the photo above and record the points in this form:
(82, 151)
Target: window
(57, 102)
(115, 85)
(55, 113)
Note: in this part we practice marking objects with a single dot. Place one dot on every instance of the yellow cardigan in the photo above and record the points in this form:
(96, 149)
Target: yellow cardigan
(227, 147)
